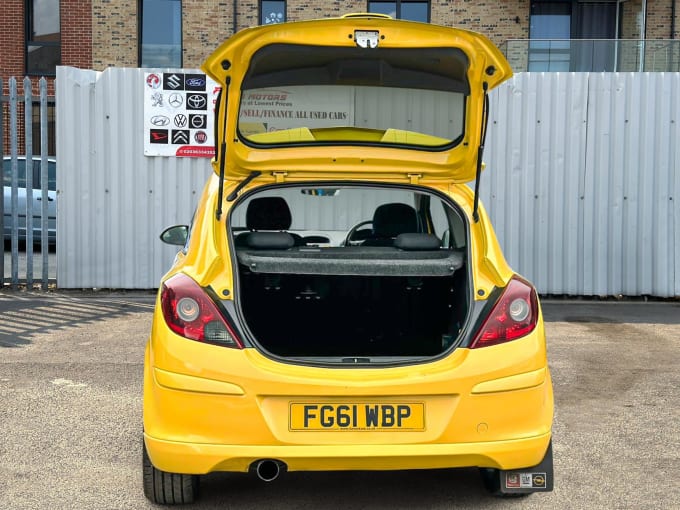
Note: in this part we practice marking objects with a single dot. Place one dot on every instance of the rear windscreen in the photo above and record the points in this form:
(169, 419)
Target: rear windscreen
(296, 94)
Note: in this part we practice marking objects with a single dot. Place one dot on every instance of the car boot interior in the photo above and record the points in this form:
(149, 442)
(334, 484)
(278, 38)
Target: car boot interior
(402, 291)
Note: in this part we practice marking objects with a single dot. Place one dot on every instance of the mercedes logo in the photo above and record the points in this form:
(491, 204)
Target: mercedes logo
(175, 100)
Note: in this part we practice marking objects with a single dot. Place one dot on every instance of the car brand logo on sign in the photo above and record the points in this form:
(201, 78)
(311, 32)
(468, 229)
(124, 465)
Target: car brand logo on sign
(158, 136)
(198, 121)
(180, 136)
(194, 82)
(156, 99)
(153, 81)
(179, 114)
(173, 81)
(160, 120)
(175, 100)
(197, 101)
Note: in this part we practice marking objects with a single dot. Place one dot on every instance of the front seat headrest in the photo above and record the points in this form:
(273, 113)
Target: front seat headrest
(390, 220)
(268, 213)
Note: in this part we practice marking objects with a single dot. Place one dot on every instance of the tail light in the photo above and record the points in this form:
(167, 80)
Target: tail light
(189, 312)
(513, 316)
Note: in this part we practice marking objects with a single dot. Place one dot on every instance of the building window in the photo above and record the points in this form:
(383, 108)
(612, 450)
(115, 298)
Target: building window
(161, 33)
(550, 31)
(43, 38)
(272, 11)
(413, 10)
(574, 35)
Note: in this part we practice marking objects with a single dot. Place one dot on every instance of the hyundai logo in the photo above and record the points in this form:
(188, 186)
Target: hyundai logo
(160, 120)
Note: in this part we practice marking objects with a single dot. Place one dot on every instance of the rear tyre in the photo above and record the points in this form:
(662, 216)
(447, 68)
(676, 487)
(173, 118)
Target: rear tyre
(165, 488)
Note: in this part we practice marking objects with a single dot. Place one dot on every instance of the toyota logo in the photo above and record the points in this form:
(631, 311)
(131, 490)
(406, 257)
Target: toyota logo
(175, 100)
(196, 101)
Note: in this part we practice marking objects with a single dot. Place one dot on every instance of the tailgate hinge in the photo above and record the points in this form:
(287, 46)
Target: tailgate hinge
(280, 176)
(414, 178)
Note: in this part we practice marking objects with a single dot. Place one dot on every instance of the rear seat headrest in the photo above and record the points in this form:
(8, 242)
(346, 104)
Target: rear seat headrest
(270, 240)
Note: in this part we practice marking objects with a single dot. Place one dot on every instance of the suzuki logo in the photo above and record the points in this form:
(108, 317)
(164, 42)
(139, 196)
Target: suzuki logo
(174, 81)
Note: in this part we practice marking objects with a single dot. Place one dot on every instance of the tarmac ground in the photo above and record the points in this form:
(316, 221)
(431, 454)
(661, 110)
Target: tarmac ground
(70, 414)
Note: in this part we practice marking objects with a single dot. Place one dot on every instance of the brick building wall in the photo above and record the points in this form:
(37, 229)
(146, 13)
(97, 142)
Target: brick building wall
(76, 50)
(11, 40)
(76, 33)
(114, 33)
(498, 20)
(199, 38)
(658, 19)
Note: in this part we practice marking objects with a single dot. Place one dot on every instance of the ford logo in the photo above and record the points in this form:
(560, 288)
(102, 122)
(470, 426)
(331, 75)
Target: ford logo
(160, 120)
(195, 82)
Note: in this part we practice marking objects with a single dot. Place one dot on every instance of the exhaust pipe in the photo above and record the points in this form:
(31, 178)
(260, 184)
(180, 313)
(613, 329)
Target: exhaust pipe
(268, 470)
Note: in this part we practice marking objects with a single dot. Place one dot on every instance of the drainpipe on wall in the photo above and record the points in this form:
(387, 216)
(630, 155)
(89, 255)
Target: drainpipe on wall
(616, 36)
(234, 22)
(643, 33)
(673, 2)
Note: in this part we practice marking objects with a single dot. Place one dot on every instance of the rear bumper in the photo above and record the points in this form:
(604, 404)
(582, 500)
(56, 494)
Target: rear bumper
(489, 407)
(196, 458)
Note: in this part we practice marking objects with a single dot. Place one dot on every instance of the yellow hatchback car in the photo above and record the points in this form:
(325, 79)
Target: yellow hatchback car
(341, 301)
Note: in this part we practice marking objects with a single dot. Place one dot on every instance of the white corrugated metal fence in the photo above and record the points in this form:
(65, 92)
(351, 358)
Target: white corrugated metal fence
(582, 182)
(584, 179)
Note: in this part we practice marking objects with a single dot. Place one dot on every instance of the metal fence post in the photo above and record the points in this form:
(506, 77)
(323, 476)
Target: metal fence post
(28, 138)
(15, 180)
(44, 181)
(2, 197)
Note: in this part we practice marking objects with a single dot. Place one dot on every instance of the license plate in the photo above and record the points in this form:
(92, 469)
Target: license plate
(371, 416)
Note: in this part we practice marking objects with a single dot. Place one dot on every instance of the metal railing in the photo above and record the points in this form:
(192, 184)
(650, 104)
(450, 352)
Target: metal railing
(28, 205)
(593, 55)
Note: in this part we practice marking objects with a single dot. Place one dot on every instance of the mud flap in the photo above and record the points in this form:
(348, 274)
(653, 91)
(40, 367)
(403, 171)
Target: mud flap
(537, 478)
